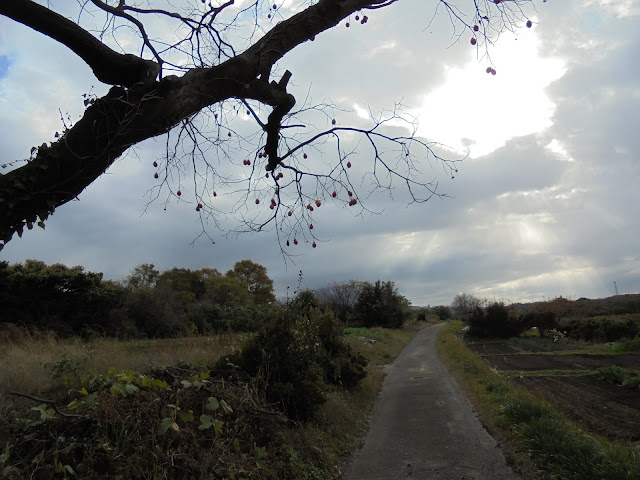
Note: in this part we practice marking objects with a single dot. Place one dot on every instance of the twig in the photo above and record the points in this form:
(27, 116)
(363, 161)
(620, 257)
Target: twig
(48, 402)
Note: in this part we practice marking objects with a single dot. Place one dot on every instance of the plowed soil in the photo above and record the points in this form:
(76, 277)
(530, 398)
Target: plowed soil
(561, 362)
(602, 408)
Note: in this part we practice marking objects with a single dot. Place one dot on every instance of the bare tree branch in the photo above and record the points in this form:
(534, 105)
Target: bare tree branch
(108, 66)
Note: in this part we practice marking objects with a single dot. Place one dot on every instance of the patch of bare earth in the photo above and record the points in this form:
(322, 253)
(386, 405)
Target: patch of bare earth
(603, 408)
(561, 362)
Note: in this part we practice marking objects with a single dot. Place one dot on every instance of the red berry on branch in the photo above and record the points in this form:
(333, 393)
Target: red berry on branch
(295, 241)
(156, 176)
(314, 245)
(200, 206)
(229, 134)
(347, 25)
(333, 122)
(304, 156)
(529, 23)
(350, 194)
(155, 164)
(348, 164)
(215, 194)
(334, 194)
(311, 227)
(178, 193)
(318, 203)
(357, 17)
(476, 28)
(290, 213)
(257, 201)
(473, 41)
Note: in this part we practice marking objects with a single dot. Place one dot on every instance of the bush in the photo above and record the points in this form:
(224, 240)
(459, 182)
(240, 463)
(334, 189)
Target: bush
(524, 410)
(543, 321)
(495, 321)
(601, 329)
(380, 305)
(293, 359)
(443, 312)
(632, 383)
(630, 346)
(612, 374)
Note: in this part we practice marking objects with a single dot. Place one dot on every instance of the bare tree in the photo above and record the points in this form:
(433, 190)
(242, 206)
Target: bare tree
(210, 63)
(341, 297)
(464, 304)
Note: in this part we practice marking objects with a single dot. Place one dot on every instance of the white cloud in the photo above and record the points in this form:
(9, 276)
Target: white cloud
(480, 112)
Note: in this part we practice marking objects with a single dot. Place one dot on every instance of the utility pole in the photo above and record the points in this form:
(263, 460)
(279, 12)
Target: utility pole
(615, 285)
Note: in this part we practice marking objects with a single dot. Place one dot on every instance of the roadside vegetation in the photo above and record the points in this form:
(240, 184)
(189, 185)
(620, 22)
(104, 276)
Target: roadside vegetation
(539, 411)
(285, 396)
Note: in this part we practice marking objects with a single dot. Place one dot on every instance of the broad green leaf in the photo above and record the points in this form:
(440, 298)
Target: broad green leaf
(187, 416)
(213, 404)
(131, 388)
(168, 423)
(217, 426)
(186, 383)
(205, 422)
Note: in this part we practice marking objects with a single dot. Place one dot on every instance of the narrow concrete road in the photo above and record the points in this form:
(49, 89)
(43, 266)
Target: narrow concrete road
(424, 428)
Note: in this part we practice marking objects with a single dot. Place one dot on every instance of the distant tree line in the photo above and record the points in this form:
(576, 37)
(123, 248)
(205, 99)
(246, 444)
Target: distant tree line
(154, 304)
(601, 320)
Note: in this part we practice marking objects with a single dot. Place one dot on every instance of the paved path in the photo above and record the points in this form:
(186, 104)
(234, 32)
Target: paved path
(424, 428)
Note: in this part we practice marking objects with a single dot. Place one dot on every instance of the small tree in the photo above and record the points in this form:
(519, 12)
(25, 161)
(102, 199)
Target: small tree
(380, 305)
(257, 280)
(464, 305)
(341, 298)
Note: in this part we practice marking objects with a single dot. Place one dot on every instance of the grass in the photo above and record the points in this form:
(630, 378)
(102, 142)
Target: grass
(257, 443)
(543, 444)
(23, 364)
(382, 345)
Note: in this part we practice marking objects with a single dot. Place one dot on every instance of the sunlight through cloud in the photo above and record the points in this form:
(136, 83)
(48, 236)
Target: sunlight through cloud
(478, 113)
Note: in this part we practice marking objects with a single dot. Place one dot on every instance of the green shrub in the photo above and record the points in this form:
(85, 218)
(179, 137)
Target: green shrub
(630, 346)
(293, 359)
(601, 329)
(612, 374)
(443, 312)
(495, 321)
(632, 383)
(380, 305)
(523, 410)
(495, 386)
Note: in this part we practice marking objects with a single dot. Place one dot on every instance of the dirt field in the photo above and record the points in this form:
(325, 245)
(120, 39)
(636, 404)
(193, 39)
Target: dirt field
(602, 408)
(560, 362)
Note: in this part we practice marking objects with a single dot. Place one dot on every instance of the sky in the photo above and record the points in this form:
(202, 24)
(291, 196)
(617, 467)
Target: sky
(545, 203)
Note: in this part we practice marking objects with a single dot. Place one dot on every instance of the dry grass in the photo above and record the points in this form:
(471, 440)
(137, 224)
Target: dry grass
(23, 363)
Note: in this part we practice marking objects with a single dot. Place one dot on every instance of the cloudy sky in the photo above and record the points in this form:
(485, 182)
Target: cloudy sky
(546, 202)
